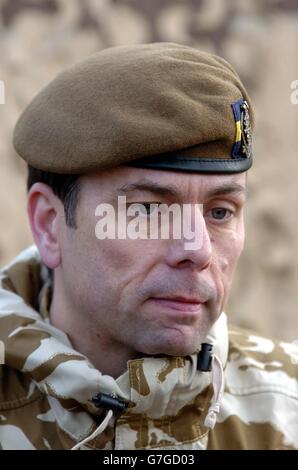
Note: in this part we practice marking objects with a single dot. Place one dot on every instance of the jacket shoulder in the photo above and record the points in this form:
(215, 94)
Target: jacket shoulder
(16, 389)
(26, 419)
(260, 404)
(271, 362)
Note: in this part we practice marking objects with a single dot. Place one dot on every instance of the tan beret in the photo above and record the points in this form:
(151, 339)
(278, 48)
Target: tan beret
(158, 105)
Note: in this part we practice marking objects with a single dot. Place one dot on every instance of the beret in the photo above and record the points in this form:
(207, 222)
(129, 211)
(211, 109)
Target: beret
(159, 105)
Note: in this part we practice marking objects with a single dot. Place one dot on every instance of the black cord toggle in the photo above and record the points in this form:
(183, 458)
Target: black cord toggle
(110, 402)
(205, 357)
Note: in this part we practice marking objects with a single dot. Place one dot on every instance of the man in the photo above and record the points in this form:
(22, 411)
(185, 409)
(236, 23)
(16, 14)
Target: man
(120, 341)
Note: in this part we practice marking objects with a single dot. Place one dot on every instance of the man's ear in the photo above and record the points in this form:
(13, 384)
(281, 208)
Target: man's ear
(44, 211)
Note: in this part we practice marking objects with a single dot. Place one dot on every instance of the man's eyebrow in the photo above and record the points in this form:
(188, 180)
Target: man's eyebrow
(226, 188)
(171, 190)
(150, 186)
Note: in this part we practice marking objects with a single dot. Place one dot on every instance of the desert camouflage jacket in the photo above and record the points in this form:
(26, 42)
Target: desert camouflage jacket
(46, 386)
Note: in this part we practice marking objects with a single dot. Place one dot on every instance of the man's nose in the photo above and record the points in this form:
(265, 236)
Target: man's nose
(196, 251)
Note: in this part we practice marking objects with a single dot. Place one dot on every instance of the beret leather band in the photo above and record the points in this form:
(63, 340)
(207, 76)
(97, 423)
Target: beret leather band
(193, 164)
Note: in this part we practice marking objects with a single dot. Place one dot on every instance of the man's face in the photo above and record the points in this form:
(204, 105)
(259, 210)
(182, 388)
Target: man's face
(153, 296)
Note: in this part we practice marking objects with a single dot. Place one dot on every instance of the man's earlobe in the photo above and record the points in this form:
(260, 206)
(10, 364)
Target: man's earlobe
(43, 211)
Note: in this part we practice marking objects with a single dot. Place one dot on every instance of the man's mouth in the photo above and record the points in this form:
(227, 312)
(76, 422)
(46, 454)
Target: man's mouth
(179, 303)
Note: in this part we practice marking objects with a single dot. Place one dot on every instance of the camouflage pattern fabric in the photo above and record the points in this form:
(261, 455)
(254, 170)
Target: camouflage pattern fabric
(46, 386)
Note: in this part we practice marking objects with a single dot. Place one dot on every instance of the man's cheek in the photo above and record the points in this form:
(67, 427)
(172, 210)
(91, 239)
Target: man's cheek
(225, 261)
(229, 264)
(231, 250)
(118, 254)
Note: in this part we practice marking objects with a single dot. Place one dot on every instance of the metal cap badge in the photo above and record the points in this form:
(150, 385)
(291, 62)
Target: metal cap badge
(242, 147)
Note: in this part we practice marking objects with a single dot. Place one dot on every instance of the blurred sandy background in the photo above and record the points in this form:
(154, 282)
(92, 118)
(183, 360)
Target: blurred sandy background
(259, 37)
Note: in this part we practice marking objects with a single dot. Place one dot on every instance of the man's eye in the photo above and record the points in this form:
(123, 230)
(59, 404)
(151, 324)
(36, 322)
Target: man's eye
(220, 213)
(148, 209)
(143, 208)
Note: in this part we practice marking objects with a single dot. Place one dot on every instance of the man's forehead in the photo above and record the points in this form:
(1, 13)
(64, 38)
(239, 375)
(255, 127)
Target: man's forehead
(127, 181)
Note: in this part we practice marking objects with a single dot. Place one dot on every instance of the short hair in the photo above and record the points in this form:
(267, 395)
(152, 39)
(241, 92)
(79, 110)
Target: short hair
(65, 187)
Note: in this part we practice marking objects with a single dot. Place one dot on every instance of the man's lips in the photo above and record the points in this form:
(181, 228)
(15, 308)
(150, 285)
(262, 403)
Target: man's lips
(182, 304)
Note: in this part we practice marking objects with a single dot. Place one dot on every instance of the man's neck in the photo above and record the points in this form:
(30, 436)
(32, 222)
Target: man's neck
(109, 359)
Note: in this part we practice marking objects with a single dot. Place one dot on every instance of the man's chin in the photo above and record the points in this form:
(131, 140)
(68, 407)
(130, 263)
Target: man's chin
(172, 350)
